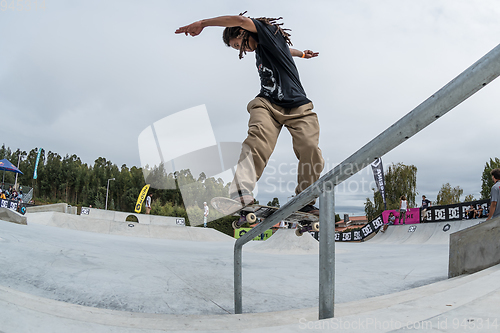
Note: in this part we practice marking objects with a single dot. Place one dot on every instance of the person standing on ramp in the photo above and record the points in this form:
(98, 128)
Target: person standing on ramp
(282, 101)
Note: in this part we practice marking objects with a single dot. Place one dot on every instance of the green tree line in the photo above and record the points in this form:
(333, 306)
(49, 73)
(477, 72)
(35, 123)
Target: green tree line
(68, 179)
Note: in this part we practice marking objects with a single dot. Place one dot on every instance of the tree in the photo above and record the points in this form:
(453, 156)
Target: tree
(469, 198)
(448, 195)
(400, 179)
(274, 203)
(486, 180)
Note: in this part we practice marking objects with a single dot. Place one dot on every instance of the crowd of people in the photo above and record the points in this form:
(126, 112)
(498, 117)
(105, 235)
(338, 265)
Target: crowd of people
(11, 194)
(476, 212)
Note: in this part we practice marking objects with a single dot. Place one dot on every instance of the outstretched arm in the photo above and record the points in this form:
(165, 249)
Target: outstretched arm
(194, 29)
(307, 54)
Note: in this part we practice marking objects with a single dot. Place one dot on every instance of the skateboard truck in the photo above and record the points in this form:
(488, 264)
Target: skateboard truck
(306, 226)
(244, 217)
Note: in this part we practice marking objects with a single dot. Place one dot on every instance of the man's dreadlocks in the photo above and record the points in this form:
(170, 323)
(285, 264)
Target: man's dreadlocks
(237, 32)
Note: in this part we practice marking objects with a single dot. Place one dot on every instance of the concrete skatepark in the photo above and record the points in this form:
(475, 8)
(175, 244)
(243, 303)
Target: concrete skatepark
(64, 272)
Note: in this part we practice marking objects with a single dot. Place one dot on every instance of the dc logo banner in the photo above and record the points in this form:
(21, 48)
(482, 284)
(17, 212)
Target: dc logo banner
(337, 236)
(367, 230)
(346, 237)
(412, 228)
(377, 223)
(357, 235)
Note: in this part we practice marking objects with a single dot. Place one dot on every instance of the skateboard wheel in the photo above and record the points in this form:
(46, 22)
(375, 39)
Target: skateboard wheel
(315, 226)
(251, 217)
(235, 225)
(298, 232)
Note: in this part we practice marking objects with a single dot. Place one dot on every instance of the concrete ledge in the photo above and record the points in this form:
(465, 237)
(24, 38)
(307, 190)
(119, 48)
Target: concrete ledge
(475, 248)
(59, 207)
(117, 216)
(12, 216)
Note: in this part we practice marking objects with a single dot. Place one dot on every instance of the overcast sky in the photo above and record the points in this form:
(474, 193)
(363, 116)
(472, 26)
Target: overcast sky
(87, 77)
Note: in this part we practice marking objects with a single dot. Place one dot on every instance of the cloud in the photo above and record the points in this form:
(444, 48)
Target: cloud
(87, 77)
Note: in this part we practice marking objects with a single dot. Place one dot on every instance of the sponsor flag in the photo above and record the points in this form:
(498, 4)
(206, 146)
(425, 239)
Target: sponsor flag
(378, 174)
(141, 198)
(36, 164)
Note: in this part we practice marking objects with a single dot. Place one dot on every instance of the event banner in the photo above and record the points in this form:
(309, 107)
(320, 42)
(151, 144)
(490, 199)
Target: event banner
(12, 205)
(35, 175)
(412, 216)
(455, 211)
(359, 235)
(378, 174)
(140, 199)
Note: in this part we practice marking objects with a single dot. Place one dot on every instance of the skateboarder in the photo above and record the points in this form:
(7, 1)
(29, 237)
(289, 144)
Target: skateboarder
(282, 101)
(426, 203)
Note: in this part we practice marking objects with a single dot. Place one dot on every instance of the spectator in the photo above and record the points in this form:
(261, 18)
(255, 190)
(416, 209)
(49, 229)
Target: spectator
(148, 203)
(479, 211)
(425, 205)
(485, 211)
(495, 193)
(390, 221)
(2, 195)
(205, 214)
(403, 207)
(471, 212)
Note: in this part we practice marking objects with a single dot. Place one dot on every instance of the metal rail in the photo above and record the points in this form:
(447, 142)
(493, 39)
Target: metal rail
(456, 91)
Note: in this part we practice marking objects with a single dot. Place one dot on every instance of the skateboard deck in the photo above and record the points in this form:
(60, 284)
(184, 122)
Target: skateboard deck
(306, 222)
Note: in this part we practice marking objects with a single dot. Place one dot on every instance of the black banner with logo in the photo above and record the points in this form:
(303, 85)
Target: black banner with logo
(359, 235)
(378, 174)
(455, 211)
(13, 205)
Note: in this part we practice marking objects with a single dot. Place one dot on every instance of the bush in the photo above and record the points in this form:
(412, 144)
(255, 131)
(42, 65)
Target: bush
(223, 224)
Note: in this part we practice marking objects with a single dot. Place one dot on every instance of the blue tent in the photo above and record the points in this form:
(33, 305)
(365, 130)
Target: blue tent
(5, 165)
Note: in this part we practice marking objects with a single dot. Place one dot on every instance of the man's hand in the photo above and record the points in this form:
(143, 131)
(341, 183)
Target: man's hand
(194, 29)
(310, 54)
(307, 54)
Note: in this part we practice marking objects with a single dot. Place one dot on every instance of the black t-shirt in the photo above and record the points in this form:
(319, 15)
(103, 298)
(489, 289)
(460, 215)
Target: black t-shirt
(279, 77)
(425, 203)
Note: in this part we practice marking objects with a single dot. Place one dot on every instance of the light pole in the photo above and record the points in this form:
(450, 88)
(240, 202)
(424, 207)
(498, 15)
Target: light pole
(107, 190)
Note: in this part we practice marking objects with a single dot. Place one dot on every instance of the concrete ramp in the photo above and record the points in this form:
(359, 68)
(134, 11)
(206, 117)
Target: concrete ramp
(475, 248)
(284, 241)
(422, 233)
(131, 229)
(12, 216)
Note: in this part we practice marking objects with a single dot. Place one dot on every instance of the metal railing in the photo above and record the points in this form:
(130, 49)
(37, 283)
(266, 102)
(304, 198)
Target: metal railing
(456, 91)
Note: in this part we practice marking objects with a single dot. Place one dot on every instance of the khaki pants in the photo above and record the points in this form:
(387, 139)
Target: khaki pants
(264, 126)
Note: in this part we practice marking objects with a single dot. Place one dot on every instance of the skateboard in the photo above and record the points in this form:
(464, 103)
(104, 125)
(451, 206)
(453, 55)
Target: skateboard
(250, 213)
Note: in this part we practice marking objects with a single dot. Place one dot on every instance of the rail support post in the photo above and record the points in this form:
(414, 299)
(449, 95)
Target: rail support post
(326, 251)
(238, 279)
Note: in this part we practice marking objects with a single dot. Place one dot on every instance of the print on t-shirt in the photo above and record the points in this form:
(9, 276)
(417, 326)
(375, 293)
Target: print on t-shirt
(270, 86)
